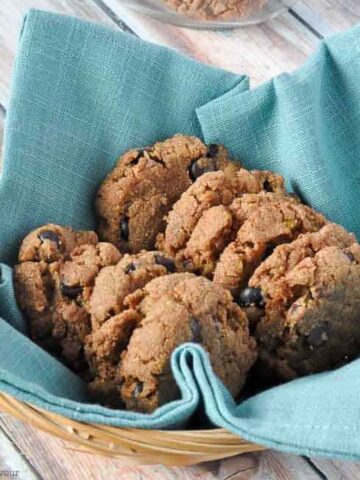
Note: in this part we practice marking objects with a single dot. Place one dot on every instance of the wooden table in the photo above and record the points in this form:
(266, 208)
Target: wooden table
(260, 52)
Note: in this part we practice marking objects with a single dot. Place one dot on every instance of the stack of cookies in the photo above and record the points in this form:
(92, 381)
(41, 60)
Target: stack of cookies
(191, 247)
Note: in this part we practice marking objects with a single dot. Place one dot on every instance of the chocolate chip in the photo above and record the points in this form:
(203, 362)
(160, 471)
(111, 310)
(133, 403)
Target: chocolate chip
(195, 170)
(165, 262)
(49, 235)
(70, 292)
(138, 389)
(251, 297)
(318, 336)
(188, 265)
(135, 161)
(350, 256)
(131, 267)
(267, 186)
(124, 229)
(213, 150)
(269, 250)
(195, 328)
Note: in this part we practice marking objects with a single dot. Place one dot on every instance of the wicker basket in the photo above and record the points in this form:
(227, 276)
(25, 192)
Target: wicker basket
(180, 447)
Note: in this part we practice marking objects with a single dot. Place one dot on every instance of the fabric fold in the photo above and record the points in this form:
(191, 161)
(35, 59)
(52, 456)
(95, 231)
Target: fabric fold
(81, 96)
(8, 305)
(314, 415)
(303, 125)
(32, 375)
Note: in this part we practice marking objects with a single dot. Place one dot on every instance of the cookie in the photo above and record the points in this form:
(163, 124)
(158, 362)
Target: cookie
(55, 299)
(262, 222)
(51, 242)
(182, 308)
(200, 224)
(133, 199)
(216, 9)
(309, 294)
(115, 283)
(103, 349)
(170, 310)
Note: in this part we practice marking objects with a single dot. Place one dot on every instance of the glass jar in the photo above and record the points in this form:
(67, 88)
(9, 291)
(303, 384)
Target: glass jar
(210, 13)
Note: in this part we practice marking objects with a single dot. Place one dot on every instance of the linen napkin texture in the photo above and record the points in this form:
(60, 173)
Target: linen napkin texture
(83, 94)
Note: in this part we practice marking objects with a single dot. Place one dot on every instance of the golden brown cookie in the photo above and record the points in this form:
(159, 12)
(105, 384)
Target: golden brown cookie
(216, 9)
(261, 222)
(308, 292)
(103, 349)
(133, 349)
(200, 224)
(51, 242)
(55, 297)
(145, 183)
(115, 283)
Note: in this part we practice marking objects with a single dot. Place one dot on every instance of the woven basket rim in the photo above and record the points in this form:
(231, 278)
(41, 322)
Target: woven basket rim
(140, 446)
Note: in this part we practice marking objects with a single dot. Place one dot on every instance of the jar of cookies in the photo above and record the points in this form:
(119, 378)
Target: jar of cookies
(210, 13)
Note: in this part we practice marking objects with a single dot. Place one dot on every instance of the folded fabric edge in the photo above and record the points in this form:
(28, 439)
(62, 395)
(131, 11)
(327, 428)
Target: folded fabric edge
(34, 14)
(219, 403)
(226, 108)
(174, 413)
(8, 304)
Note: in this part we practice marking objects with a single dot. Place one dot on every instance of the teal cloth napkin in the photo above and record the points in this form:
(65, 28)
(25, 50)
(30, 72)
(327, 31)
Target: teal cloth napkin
(81, 95)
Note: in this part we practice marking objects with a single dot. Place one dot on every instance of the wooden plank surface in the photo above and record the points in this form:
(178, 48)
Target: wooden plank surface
(55, 460)
(11, 17)
(329, 16)
(259, 51)
(333, 469)
(12, 462)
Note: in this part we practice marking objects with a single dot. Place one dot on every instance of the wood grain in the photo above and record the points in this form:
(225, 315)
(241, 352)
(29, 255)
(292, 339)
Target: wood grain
(258, 51)
(329, 16)
(12, 462)
(336, 470)
(11, 16)
(56, 459)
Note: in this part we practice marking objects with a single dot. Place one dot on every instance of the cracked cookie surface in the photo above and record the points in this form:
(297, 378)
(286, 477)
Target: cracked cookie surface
(310, 291)
(134, 348)
(51, 242)
(54, 296)
(134, 198)
(200, 224)
(261, 222)
(115, 283)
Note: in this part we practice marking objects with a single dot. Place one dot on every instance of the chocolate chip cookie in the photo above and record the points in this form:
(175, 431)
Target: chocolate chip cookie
(262, 221)
(137, 344)
(55, 297)
(115, 283)
(133, 199)
(51, 242)
(309, 295)
(216, 9)
(200, 224)
(103, 349)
